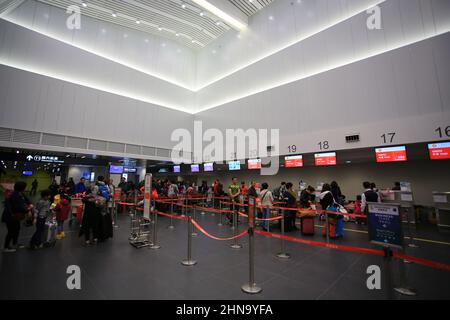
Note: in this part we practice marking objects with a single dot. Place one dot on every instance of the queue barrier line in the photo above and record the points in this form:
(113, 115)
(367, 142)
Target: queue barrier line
(127, 204)
(171, 216)
(260, 219)
(213, 210)
(195, 223)
(377, 252)
(317, 212)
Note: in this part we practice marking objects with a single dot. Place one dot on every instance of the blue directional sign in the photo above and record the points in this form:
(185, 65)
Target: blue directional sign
(385, 224)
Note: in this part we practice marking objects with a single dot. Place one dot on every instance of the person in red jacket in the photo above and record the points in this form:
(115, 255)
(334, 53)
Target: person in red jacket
(62, 211)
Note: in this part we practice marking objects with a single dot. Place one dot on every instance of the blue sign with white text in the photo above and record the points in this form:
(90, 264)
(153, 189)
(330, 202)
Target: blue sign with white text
(385, 225)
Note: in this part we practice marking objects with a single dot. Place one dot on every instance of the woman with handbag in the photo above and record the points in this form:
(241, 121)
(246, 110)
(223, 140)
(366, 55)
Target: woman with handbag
(17, 207)
(290, 197)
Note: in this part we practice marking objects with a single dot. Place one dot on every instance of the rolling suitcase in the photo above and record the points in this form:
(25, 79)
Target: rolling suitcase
(49, 234)
(307, 226)
(79, 213)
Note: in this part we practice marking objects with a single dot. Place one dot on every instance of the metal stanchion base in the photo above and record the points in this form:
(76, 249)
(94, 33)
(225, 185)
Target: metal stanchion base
(220, 224)
(194, 234)
(171, 227)
(236, 246)
(406, 291)
(284, 256)
(251, 288)
(407, 262)
(188, 263)
(140, 244)
(202, 213)
(155, 247)
(412, 245)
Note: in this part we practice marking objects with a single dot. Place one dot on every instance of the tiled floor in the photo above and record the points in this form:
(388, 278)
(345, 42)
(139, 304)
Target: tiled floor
(116, 270)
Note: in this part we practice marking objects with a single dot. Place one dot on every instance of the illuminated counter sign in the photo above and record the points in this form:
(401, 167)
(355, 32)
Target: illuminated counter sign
(208, 167)
(234, 165)
(177, 169)
(392, 154)
(254, 164)
(325, 159)
(116, 169)
(195, 168)
(293, 161)
(439, 151)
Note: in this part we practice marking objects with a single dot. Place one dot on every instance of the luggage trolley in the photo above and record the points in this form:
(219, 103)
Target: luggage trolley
(442, 206)
(140, 230)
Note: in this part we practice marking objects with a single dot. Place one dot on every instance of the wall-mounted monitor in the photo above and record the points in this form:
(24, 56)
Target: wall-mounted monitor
(27, 173)
(254, 164)
(234, 165)
(116, 169)
(391, 154)
(129, 170)
(439, 151)
(176, 169)
(293, 161)
(325, 159)
(195, 168)
(208, 167)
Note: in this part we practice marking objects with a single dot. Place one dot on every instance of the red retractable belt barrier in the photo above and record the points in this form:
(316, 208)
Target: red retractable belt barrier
(235, 203)
(377, 252)
(213, 210)
(126, 204)
(214, 237)
(317, 211)
(171, 216)
(260, 219)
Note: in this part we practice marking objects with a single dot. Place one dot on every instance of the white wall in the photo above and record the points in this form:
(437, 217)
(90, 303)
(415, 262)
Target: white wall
(38, 103)
(425, 177)
(403, 23)
(158, 56)
(28, 50)
(392, 92)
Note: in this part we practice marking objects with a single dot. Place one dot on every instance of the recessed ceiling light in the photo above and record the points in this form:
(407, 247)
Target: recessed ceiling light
(138, 22)
(177, 35)
(114, 14)
(183, 6)
(84, 4)
(202, 14)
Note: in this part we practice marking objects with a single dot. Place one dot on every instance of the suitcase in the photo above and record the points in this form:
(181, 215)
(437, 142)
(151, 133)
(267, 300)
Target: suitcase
(307, 226)
(80, 213)
(336, 228)
(49, 239)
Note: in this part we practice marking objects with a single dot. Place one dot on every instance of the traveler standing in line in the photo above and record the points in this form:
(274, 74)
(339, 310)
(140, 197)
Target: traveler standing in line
(41, 214)
(34, 187)
(234, 190)
(244, 189)
(397, 187)
(307, 197)
(290, 198)
(80, 186)
(326, 197)
(279, 191)
(336, 191)
(62, 211)
(71, 187)
(123, 185)
(54, 189)
(103, 194)
(89, 224)
(173, 190)
(373, 186)
(17, 207)
(368, 196)
(266, 202)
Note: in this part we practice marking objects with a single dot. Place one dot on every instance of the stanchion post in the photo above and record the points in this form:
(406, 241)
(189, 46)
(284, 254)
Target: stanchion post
(155, 245)
(194, 234)
(283, 254)
(235, 244)
(327, 226)
(189, 262)
(171, 226)
(251, 287)
(388, 273)
(220, 214)
(411, 243)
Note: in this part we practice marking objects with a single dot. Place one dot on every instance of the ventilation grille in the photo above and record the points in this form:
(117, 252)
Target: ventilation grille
(148, 151)
(53, 140)
(78, 143)
(5, 134)
(352, 138)
(133, 149)
(116, 147)
(97, 145)
(22, 136)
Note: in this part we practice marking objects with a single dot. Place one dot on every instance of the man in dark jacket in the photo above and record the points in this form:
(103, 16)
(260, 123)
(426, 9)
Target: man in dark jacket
(17, 206)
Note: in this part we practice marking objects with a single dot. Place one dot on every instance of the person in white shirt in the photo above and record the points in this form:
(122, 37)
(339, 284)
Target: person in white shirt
(267, 199)
(369, 195)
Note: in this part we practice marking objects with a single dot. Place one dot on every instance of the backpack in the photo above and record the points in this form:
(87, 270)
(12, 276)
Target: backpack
(104, 192)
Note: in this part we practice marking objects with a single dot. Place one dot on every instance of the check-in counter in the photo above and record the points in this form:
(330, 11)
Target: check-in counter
(406, 201)
(441, 202)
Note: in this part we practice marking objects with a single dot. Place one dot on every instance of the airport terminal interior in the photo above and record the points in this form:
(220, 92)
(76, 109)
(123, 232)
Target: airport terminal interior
(225, 150)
